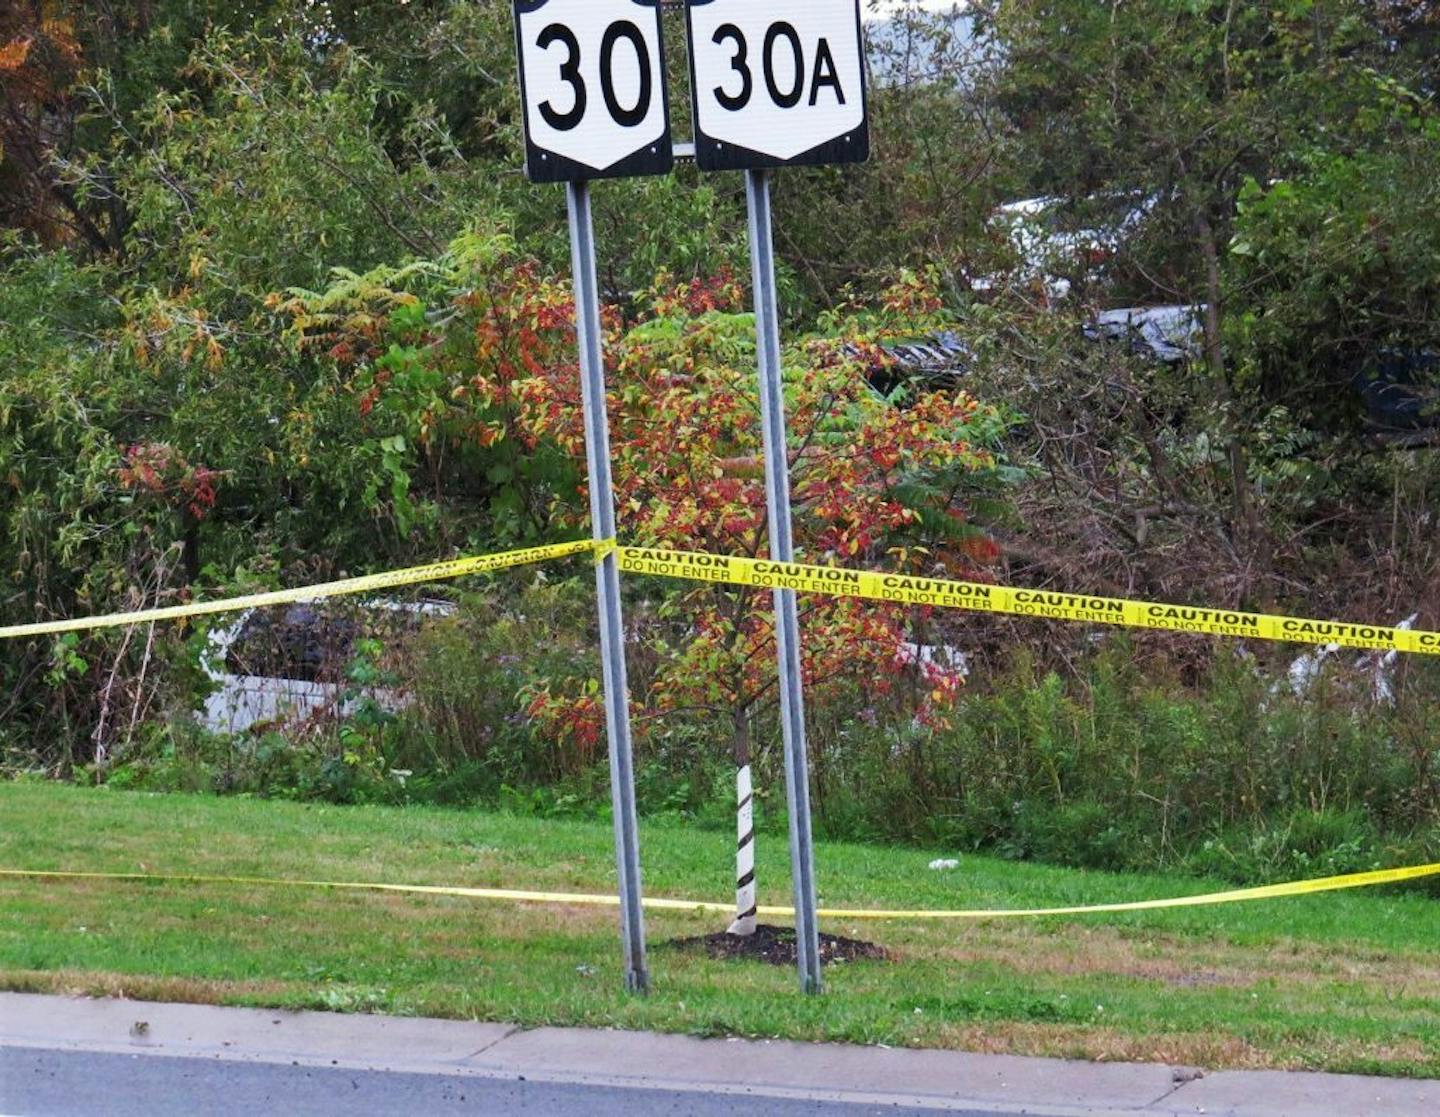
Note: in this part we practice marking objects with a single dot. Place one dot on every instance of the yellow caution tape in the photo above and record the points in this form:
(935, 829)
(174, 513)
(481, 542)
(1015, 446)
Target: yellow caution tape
(1265, 892)
(836, 581)
(907, 589)
(1233, 896)
(604, 548)
(979, 597)
(414, 575)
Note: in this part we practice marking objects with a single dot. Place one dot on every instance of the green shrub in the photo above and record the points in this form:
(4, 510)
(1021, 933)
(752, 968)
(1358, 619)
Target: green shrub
(1108, 768)
(1116, 769)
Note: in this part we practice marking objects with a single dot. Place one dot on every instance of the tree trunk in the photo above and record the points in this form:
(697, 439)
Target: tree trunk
(744, 923)
(1244, 514)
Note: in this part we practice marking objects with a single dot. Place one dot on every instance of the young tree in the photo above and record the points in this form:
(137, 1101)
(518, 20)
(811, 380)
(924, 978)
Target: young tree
(875, 480)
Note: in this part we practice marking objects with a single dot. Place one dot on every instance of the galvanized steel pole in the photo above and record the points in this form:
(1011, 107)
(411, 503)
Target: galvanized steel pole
(607, 585)
(787, 624)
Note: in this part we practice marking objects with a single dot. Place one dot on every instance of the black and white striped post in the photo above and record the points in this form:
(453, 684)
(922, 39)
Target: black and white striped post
(744, 923)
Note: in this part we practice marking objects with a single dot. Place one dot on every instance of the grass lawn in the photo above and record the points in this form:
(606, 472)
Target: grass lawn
(1345, 981)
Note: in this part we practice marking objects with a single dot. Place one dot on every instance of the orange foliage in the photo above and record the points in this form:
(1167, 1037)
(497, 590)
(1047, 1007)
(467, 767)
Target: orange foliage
(40, 55)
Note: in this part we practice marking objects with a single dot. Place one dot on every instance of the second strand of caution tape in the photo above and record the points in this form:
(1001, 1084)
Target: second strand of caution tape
(657, 903)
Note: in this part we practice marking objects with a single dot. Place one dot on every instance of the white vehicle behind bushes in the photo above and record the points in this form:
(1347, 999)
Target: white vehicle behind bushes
(1056, 238)
(286, 667)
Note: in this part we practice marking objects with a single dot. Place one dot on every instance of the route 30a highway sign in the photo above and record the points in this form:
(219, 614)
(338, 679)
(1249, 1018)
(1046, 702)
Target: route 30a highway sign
(592, 87)
(777, 83)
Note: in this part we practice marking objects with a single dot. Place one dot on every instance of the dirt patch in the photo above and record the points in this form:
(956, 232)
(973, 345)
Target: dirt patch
(1091, 1043)
(1209, 1049)
(138, 987)
(776, 945)
(1184, 961)
(1201, 980)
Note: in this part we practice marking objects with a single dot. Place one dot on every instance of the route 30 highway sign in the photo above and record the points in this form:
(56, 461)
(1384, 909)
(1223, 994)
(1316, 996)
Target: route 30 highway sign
(777, 83)
(592, 86)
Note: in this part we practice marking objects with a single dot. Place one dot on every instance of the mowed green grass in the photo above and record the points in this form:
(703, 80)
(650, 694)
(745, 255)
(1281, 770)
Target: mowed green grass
(1344, 981)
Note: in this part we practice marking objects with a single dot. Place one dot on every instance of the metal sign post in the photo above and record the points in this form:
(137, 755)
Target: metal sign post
(779, 83)
(607, 585)
(592, 83)
(782, 549)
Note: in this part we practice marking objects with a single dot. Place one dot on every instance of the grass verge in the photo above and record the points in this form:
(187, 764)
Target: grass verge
(1345, 981)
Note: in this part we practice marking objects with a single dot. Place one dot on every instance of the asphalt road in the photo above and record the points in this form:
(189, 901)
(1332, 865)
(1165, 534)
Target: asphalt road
(42, 1083)
(83, 1057)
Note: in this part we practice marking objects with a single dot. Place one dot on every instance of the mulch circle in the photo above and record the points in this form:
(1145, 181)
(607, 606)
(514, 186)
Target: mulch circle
(776, 945)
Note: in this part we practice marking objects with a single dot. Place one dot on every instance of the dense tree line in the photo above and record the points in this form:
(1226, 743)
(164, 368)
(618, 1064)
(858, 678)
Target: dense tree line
(244, 245)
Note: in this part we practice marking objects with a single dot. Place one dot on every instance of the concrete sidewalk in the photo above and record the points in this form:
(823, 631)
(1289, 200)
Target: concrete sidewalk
(938, 1080)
